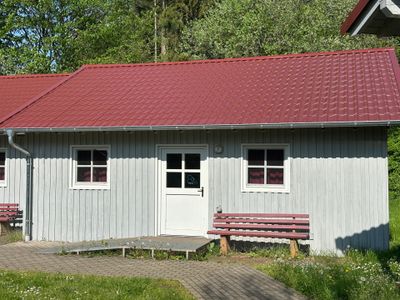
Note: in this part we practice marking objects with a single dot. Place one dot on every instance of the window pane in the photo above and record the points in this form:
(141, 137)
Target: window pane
(274, 176)
(99, 174)
(83, 174)
(100, 157)
(2, 158)
(256, 176)
(84, 157)
(275, 157)
(192, 161)
(192, 180)
(174, 180)
(256, 157)
(2, 173)
(174, 161)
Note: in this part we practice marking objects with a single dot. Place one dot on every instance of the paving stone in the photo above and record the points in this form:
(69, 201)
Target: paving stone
(205, 280)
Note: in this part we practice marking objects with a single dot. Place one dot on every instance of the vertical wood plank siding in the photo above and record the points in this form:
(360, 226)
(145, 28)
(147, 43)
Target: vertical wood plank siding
(338, 176)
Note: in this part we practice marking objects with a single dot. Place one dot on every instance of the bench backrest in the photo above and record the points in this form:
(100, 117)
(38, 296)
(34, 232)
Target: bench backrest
(9, 211)
(277, 224)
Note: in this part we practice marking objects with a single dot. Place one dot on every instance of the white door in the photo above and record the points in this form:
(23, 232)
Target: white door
(184, 190)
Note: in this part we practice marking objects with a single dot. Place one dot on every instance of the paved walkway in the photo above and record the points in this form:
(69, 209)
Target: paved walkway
(205, 280)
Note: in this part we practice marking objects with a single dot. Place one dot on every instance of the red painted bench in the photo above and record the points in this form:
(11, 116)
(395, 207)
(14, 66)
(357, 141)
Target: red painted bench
(9, 212)
(285, 226)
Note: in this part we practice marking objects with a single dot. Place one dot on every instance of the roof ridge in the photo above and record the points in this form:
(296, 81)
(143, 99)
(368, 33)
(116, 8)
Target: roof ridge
(19, 76)
(239, 59)
(39, 96)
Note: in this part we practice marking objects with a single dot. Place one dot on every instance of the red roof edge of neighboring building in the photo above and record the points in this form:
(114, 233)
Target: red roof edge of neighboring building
(352, 17)
(33, 100)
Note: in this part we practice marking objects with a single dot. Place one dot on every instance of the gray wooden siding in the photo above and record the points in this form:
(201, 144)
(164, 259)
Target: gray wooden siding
(338, 176)
(15, 190)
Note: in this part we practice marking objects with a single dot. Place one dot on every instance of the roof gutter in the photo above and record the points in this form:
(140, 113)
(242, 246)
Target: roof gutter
(209, 127)
(29, 168)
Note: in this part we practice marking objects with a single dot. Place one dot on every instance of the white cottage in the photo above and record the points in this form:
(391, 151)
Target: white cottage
(150, 149)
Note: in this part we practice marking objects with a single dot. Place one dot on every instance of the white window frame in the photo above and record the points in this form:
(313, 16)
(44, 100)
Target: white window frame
(85, 185)
(3, 183)
(277, 188)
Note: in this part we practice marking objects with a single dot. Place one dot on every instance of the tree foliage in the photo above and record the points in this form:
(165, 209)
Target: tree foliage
(33, 34)
(264, 27)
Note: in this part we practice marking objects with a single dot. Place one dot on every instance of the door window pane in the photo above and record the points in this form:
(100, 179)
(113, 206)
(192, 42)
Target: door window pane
(174, 161)
(256, 157)
(192, 161)
(2, 158)
(99, 174)
(274, 176)
(174, 179)
(192, 180)
(83, 174)
(275, 157)
(256, 176)
(99, 157)
(2, 173)
(84, 157)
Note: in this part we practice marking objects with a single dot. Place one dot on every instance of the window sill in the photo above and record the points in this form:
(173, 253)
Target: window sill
(90, 187)
(264, 189)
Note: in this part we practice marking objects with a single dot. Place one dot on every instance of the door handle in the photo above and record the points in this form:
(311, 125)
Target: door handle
(202, 191)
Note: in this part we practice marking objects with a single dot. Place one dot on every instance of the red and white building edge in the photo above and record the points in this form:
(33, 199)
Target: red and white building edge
(114, 151)
(380, 17)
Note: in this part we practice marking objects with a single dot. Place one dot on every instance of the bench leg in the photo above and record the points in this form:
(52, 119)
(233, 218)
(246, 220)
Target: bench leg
(4, 228)
(224, 244)
(294, 248)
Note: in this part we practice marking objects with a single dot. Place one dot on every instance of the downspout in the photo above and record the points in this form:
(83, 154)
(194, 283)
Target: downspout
(29, 169)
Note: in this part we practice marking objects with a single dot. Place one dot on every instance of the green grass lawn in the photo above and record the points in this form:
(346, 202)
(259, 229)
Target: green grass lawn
(30, 285)
(357, 275)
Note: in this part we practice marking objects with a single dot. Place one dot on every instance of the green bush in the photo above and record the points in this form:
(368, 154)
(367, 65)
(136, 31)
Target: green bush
(335, 281)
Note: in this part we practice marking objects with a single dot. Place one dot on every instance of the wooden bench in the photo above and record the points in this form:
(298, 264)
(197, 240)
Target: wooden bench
(285, 226)
(9, 212)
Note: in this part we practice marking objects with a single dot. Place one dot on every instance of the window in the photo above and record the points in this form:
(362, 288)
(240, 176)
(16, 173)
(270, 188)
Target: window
(90, 166)
(265, 168)
(183, 170)
(3, 167)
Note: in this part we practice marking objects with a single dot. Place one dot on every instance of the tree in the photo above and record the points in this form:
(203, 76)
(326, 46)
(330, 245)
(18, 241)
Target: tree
(59, 35)
(123, 35)
(264, 27)
(174, 17)
(33, 33)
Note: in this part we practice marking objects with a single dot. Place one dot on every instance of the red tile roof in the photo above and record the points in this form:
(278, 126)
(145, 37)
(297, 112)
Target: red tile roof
(16, 91)
(353, 16)
(309, 89)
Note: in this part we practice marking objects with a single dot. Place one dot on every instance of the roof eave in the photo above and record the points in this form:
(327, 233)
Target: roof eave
(209, 126)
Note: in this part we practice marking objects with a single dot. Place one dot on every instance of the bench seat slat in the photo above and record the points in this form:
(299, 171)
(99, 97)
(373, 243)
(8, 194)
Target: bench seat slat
(261, 226)
(8, 213)
(261, 215)
(6, 219)
(9, 204)
(287, 235)
(267, 221)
